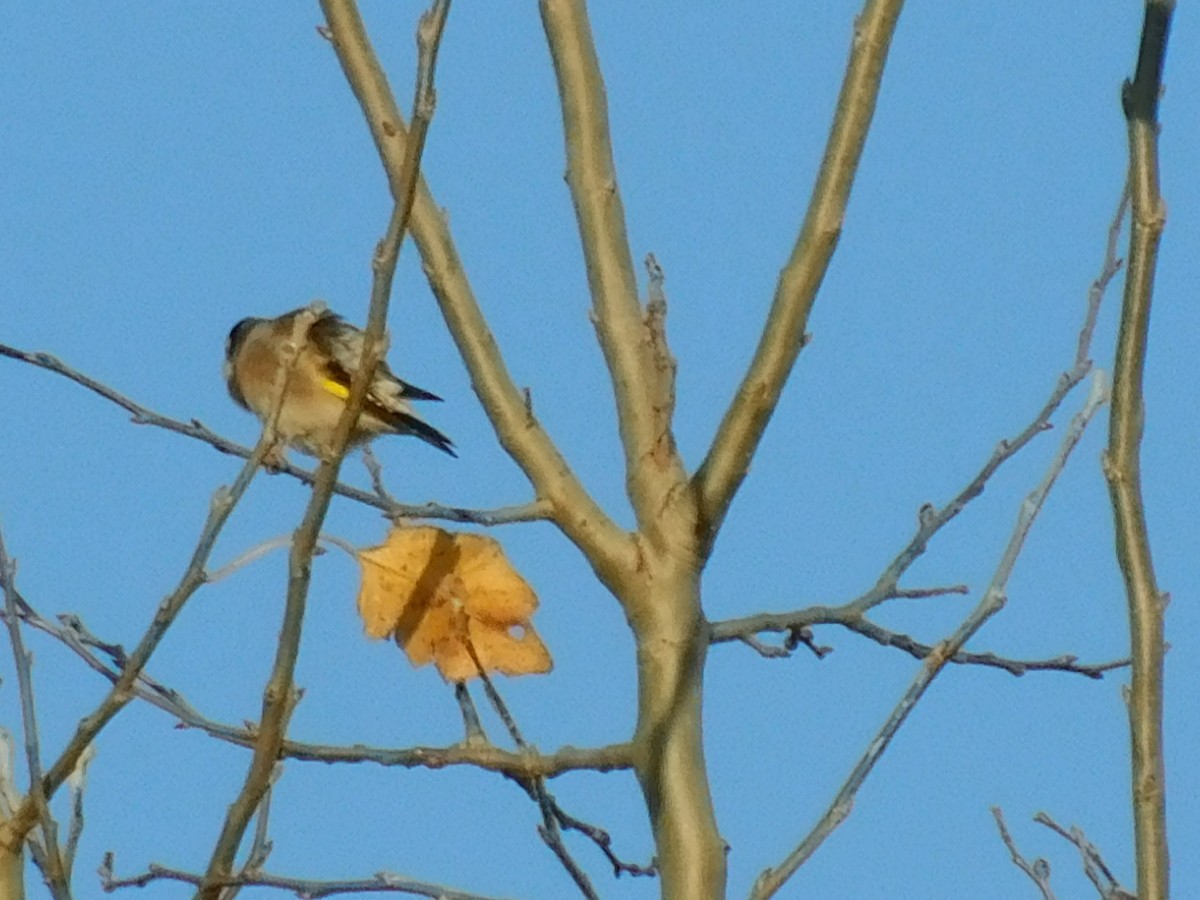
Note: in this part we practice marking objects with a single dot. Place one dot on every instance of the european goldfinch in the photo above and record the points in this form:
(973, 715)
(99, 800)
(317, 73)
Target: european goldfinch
(318, 384)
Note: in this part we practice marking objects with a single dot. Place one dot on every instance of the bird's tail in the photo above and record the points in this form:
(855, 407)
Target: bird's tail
(407, 423)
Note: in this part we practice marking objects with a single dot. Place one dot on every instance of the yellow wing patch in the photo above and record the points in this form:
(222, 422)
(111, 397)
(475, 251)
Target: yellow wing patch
(333, 387)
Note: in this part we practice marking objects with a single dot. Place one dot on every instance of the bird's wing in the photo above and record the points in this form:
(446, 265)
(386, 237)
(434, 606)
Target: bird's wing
(342, 344)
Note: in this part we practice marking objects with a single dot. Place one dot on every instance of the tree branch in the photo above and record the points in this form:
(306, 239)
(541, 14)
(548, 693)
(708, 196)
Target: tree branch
(931, 520)
(652, 465)
(1038, 870)
(554, 818)
(536, 510)
(783, 336)
(382, 882)
(992, 602)
(529, 763)
(574, 510)
(1094, 866)
(848, 616)
(280, 695)
(1122, 461)
(54, 870)
(13, 832)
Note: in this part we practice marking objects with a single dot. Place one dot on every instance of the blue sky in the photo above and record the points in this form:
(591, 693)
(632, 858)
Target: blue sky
(171, 169)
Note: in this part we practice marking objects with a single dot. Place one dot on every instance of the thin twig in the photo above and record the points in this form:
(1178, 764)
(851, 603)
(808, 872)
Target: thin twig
(279, 695)
(77, 784)
(529, 763)
(474, 735)
(796, 626)
(261, 844)
(931, 520)
(554, 817)
(375, 471)
(1038, 870)
(1094, 866)
(53, 868)
(14, 830)
(992, 602)
(525, 512)
(549, 830)
(258, 551)
(601, 839)
(382, 882)
(252, 555)
(1108, 271)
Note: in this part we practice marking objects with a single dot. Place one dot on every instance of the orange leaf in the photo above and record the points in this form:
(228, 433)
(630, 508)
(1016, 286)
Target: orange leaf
(443, 594)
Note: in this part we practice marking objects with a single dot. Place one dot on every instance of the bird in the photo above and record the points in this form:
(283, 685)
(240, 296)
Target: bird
(318, 385)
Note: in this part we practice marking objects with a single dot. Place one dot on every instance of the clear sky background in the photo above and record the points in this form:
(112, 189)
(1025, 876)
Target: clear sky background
(171, 168)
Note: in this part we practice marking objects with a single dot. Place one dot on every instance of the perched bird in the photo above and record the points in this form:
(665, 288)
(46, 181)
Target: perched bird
(318, 384)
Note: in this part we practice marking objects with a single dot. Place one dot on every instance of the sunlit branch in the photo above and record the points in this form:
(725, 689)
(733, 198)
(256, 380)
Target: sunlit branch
(1122, 461)
(518, 431)
(280, 695)
(741, 429)
(652, 466)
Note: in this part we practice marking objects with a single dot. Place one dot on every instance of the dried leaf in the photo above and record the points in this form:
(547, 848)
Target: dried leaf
(443, 594)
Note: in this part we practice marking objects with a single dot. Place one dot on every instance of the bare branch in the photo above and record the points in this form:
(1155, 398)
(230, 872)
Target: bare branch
(13, 831)
(533, 511)
(1122, 461)
(528, 763)
(1038, 870)
(603, 840)
(931, 520)
(992, 601)
(1108, 271)
(375, 470)
(54, 870)
(280, 695)
(652, 465)
(261, 845)
(382, 882)
(574, 510)
(796, 626)
(549, 830)
(1093, 863)
(536, 510)
(783, 336)
(77, 784)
